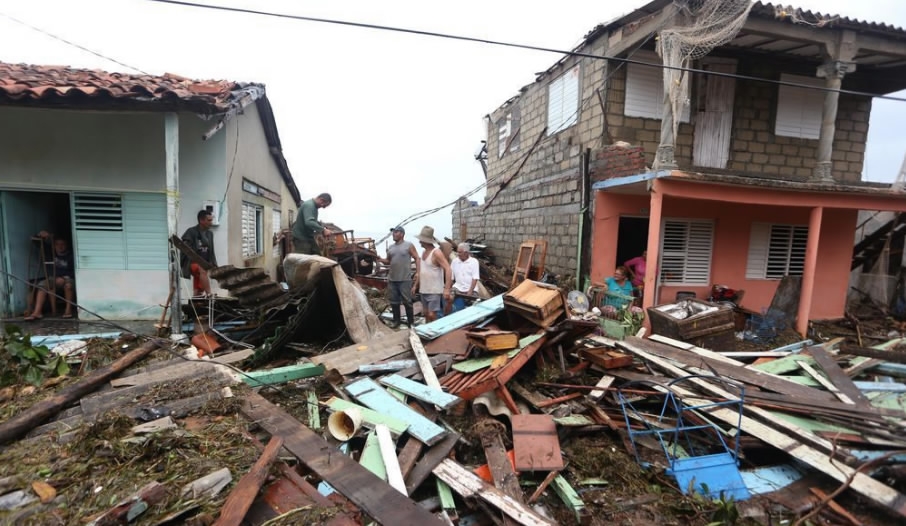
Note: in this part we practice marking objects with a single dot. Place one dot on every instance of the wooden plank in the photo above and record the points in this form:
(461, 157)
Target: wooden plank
(447, 503)
(423, 362)
(374, 496)
(601, 387)
(371, 456)
(348, 359)
(180, 369)
(369, 417)
(372, 395)
(536, 443)
(502, 472)
(476, 364)
(314, 410)
(787, 364)
(422, 392)
(429, 461)
(409, 455)
(861, 483)
(736, 372)
(835, 374)
(468, 485)
(387, 367)
(388, 454)
(838, 509)
(239, 500)
(827, 384)
(282, 375)
(572, 499)
(118, 398)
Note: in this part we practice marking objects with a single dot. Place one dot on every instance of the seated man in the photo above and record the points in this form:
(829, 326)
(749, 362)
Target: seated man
(62, 278)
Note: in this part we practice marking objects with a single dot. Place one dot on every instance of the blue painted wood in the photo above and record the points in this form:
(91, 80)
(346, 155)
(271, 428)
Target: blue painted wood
(467, 316)
(369, 417)
(881, 386)
(372, 395)
(794, 347)
(771, 478)
(421, 391)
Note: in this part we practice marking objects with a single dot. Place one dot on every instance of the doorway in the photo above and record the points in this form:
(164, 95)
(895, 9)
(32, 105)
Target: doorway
(632, 238)
(22, 216)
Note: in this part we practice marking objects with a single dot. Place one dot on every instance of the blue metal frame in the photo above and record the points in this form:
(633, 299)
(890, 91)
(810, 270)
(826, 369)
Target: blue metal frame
(682, 433)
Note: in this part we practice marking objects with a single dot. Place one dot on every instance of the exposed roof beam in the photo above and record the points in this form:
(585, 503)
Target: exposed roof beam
(619, 43)
(883, 46)
(786, 31)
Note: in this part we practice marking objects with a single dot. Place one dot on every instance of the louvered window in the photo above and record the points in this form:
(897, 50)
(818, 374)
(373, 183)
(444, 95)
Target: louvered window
(276, 225)
(799, 110)
(120, 231)
(686, 248)
(563, 101)
(645, 88)
(251, 230)
(776, 251)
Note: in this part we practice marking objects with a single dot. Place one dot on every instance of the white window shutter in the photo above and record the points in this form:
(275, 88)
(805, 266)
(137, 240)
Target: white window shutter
(799, 110)
(757, 262)
(645, 88)
(563, 101)
(686, 250)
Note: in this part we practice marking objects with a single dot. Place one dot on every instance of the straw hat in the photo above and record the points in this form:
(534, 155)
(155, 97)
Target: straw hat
(427, 235)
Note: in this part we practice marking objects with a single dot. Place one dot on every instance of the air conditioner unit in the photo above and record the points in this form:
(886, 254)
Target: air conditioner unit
(214, 208)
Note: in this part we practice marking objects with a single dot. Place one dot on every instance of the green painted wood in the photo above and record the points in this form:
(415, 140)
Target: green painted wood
(375, 397)
(574, 421)
(421, 391)
(447, 502)
(399, 395)
(811, 424)
(371, 457)
(314, 411)
(803, 380)
(476, 364)
(281, 375)
(369, 417)
(145, 227)
(569, 497)
(787, 364)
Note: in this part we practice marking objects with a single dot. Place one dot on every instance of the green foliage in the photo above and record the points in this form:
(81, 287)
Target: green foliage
(726, 513)
(31, 362)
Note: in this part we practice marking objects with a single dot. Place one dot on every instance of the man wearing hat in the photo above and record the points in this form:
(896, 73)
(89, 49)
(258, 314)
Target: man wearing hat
(399, 256)
(434, 278)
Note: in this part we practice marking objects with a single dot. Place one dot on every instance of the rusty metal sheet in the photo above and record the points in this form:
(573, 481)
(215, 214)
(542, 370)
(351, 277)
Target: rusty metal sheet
(536, 443)
(453, 342)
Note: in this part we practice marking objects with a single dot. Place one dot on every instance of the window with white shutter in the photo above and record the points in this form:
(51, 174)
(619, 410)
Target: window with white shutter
(251, 230)
(563, 101)
(799, 110)
(686, 248)
(776, 251)
(120, 231)
(277, 220)
(645, 88)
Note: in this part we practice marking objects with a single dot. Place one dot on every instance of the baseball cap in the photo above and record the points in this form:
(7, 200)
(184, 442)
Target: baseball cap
(398, 229)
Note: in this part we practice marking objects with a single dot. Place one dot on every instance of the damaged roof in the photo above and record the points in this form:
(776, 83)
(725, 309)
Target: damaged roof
(76, 88)
(63, 85)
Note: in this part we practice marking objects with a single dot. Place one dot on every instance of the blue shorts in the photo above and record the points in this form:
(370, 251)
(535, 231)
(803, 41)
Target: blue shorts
(433, 303)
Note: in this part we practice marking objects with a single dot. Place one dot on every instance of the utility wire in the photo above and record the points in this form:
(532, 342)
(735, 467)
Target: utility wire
(73, 44)
(502, 43)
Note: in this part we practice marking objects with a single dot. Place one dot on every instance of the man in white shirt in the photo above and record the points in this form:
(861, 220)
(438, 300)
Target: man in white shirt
(465, 276)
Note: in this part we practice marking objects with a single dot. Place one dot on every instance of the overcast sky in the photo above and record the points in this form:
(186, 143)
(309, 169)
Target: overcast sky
(386, 122)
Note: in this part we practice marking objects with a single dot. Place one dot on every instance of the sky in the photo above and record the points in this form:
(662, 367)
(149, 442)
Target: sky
(388, 123)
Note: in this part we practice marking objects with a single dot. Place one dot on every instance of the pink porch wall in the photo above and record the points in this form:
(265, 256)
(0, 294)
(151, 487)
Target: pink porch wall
(731, 244)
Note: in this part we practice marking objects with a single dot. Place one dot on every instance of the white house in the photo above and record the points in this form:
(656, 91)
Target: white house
(116, 163)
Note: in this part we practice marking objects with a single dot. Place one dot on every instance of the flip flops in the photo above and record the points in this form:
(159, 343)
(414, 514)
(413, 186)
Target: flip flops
(32, 318)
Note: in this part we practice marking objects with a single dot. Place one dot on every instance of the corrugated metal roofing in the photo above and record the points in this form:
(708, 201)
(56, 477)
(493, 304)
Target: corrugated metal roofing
(63, 85)
(830, 20)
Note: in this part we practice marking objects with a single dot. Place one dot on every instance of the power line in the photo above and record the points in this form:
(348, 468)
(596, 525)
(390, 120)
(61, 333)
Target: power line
(73, 44)
(502, 43)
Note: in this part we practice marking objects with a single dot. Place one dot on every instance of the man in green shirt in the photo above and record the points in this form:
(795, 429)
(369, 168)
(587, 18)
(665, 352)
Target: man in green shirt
(307, 226)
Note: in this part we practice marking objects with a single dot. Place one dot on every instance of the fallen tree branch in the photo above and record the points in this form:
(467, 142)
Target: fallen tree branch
(40, 412)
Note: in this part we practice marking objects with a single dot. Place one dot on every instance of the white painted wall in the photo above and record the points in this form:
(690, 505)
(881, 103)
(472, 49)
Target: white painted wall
(122, 294)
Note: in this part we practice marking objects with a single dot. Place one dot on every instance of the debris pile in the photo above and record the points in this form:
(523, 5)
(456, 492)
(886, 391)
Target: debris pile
(516, 410)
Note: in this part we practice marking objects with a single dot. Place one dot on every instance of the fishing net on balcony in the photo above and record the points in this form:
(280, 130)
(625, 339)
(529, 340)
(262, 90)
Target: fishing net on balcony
(698, 27)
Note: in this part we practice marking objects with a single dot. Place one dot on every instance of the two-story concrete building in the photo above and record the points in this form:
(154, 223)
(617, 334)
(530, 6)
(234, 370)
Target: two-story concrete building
(748, 169)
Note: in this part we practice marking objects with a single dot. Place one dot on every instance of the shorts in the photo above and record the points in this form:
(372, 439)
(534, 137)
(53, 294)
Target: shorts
(433, 303)
(47, 284)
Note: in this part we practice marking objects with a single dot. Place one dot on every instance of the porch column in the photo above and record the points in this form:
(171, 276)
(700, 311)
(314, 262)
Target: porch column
(664, 158)
(171, 152)
(808, 271)
(654, 246)
(839, 64)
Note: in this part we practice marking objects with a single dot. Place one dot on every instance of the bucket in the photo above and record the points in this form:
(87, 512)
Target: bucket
(344, 424)
(685, 295)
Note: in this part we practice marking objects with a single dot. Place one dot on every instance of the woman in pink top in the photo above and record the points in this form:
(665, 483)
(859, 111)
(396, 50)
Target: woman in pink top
(637, 265)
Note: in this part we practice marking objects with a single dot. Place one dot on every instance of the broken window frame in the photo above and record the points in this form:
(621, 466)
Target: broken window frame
(776, 250)
(252, 214)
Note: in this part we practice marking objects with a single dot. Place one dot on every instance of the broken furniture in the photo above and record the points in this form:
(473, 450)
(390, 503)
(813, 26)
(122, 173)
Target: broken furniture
(524, 268)
(698, 322)
(697, 453)
(539, 303)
